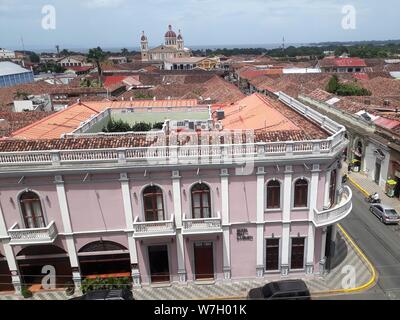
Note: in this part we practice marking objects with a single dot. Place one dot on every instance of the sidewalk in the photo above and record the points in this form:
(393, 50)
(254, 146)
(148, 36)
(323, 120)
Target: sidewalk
(367, 186)
(346, 255)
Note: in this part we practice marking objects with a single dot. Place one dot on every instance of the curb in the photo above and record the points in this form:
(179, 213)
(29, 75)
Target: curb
(358, 186)
(366, 286)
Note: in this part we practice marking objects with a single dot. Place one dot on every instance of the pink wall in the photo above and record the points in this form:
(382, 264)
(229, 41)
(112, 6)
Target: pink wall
(244, 190)
(212, 180)
(243, 253)
(43, 186)
(137, 184)
(82, 240)
(95, 206)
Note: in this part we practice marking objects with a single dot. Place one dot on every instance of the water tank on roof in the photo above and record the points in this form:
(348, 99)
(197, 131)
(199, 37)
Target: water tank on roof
(220, 115)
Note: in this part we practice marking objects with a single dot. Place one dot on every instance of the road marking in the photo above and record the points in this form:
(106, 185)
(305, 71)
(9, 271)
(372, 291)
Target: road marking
(366, 286)
(358, 186)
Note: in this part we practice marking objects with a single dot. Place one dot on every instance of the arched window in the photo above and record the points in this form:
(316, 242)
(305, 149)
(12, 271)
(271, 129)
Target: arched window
(273, 195)
(153, 204)
(32, 210)
(301, 193)
(201, 203)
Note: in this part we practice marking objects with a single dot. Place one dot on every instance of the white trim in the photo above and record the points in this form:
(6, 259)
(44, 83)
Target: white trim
(287, 196)
(66, 220)
(226, 247)
(285, 243)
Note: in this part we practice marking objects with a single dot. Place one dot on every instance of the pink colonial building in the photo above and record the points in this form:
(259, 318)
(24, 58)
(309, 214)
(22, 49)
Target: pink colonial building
(196, 200)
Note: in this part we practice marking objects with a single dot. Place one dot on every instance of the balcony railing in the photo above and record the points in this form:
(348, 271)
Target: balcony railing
(154, 228)
(339, 212)
(206, 149)
(21, 236)
(198, 226)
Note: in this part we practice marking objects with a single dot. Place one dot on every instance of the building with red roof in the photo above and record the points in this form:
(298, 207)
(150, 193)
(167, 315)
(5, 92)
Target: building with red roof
(340, 65)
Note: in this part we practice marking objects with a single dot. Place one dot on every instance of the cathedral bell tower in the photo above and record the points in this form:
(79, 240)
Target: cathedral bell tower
(144, 47)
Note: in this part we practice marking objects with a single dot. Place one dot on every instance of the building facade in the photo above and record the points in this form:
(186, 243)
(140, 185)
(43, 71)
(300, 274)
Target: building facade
(12, 74)
(172, 212)
(172, 48)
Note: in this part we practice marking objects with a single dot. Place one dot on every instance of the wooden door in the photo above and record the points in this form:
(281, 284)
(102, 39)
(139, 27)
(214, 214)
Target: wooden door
(204, 260)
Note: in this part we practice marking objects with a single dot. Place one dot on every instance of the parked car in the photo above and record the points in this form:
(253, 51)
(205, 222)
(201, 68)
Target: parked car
(386, 214)
(122, 294)
(281, 290)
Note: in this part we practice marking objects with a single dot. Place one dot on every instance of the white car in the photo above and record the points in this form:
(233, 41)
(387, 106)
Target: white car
(386, 214)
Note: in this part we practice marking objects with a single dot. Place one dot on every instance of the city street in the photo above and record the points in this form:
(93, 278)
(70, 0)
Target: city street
(380, 243)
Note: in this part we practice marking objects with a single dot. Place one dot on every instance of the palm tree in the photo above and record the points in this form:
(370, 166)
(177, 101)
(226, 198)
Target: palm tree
(97, 55)
(125, 51)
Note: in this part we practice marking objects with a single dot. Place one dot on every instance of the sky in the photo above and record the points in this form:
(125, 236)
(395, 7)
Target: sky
(119, 23)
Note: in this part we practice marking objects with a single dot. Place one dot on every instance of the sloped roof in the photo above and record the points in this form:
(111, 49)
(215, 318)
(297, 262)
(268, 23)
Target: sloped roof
(8, 68)
(70, 118)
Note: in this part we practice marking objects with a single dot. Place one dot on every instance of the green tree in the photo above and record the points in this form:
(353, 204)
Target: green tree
(333, 84)
(97, 55)
(34, 58)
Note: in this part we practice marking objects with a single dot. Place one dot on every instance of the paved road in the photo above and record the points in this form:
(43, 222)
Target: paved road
(381, 244)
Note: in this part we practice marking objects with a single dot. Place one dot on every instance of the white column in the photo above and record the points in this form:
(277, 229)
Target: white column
(226, 250)
(176, 188)
(311, 228)
(287, 205)
(327, 200)
(126, 197)
(69, 238)
(285, 249)
(322, 261)
(260, 221)
(9, 254)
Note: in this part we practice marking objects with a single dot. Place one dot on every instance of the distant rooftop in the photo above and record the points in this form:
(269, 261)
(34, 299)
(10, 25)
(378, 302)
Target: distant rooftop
(8, 68)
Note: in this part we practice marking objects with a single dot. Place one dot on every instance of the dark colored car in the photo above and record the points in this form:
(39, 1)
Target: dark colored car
(123, 294)
(281, 290)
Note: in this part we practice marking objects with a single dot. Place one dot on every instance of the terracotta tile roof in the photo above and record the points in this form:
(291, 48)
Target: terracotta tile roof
(215, 90)
(70, 118)
(110, 81)
(262, 113)
(251, 74)
(18, 120)
(342, 62)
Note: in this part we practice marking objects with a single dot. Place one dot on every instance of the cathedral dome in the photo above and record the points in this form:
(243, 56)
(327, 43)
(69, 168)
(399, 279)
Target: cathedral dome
(170, 33)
